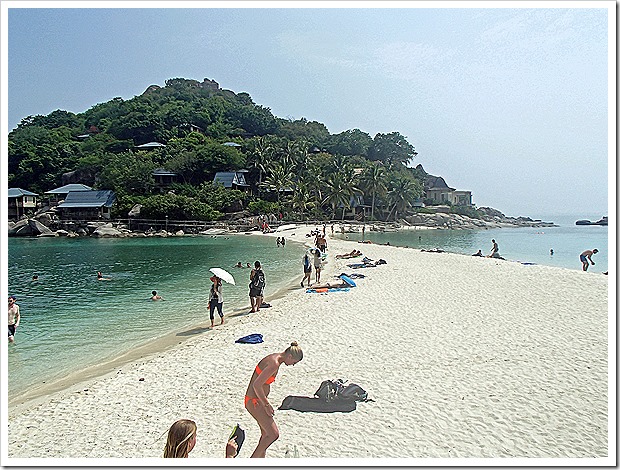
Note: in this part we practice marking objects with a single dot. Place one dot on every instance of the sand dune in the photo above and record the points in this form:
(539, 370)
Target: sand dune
(465, 357)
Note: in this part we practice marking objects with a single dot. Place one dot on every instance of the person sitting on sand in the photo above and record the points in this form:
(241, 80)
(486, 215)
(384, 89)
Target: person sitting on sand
(182, 439)
(479, 253)
(156, 296)
(255, 400)
(585, 256)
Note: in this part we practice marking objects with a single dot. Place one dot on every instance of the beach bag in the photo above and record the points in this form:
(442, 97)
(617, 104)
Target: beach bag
(353, 392)
(330, 389)
(258, 280)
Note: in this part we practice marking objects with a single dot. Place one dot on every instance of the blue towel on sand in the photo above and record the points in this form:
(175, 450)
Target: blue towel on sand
(251, 339)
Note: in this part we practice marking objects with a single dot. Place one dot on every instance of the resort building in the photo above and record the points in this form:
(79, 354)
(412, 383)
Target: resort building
(20, 202)
(232, 179)
(438, 192)
(56, 196)
(87, 205)
(163, 178)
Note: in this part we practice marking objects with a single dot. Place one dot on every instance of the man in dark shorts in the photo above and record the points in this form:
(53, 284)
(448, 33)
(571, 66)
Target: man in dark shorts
(585, 256)
(257, 287)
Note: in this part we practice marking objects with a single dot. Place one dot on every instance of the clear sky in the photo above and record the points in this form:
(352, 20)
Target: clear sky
(510, 103)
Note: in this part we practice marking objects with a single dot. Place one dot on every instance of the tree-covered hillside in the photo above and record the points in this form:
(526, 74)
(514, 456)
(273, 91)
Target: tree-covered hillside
(295, 166)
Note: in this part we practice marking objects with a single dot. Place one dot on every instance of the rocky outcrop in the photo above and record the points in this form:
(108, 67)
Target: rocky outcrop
(491, 218)
(107, 231)
(29, 227)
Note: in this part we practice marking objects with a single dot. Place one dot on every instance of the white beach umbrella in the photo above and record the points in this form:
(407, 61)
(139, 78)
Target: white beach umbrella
(223, 275)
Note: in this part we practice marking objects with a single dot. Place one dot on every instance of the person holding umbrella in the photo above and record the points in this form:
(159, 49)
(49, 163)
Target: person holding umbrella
(216, 299)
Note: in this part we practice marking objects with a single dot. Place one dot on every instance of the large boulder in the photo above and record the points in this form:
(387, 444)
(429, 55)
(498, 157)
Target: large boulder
(39, 229)
(107, 231)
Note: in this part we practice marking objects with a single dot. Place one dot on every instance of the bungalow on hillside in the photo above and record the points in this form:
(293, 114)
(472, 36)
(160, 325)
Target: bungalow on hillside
(59, 194)
(439, 192)
(232, 179)
(20, 201)
(150, 146)
(164, 178)
(87, 205)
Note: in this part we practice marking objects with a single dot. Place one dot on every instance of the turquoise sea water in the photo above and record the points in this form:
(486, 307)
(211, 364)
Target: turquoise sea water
(70, 320)
(530, 245)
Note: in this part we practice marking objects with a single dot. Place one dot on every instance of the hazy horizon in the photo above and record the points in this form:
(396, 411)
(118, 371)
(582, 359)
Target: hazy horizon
(509, 103)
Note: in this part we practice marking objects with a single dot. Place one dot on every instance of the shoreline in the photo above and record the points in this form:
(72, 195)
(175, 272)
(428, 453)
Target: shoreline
(68, 383)
(485, 357)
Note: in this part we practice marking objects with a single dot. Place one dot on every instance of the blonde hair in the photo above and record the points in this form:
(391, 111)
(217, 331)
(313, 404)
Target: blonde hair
(295, 351)
(179, 436)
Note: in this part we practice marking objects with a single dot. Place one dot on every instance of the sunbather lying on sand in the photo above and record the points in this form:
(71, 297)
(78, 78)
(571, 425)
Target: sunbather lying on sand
(352, 254)
(330, 285)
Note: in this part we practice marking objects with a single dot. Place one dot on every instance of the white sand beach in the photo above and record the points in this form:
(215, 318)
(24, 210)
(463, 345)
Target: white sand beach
(464, 357)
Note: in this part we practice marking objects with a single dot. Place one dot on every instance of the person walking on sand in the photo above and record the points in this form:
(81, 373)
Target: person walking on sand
(317, 264)
(216, 299)
(585, 256)
(257, 287)
(255, 400)
(494, 250)
(14, 317)
(307, 269)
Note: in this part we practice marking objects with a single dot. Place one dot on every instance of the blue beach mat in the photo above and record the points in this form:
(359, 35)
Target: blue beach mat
(251, 339)
(326, 291)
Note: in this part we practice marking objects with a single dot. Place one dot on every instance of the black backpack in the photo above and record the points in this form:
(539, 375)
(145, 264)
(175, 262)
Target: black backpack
(258, 280)
(331, 390)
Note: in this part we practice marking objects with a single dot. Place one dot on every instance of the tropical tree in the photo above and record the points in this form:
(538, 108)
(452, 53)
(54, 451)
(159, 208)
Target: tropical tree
(260, 156)
(391, 148)
(302, 199)
(340, 189)
(280, 178)
(401, 194)
(373, 181)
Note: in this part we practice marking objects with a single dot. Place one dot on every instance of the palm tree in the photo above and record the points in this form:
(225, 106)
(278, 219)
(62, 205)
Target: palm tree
(373, 181)
(401, 194)
(302, 199)
(280, 177)
(341, 188)
(260, 156)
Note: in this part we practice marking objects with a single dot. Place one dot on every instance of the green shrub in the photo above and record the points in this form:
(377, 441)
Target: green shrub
(263, 207)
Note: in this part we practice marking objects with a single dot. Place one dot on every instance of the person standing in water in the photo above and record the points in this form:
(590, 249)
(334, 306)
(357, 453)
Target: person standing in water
(14, 317)
(255, 400)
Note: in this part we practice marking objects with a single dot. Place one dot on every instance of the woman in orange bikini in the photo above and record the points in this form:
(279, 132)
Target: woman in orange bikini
(256, 395)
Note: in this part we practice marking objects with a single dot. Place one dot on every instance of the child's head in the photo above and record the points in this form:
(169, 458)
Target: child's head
(181, 439)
